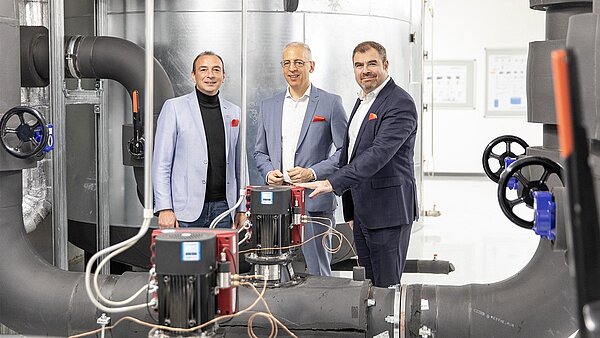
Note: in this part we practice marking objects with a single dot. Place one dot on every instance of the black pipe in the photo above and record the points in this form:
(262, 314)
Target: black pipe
(428, 266)
(38, 298)
(98, 57)
(106, 57)
(34, 56)
(536, 302)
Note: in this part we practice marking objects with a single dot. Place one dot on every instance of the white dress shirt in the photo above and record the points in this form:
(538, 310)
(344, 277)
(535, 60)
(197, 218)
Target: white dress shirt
(291, 124)
(362, 110)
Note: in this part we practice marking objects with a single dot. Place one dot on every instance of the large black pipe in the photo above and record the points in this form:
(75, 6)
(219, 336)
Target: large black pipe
(105, 57)
(96, 57)
(34, 56)
(536, 302)
(38, 298)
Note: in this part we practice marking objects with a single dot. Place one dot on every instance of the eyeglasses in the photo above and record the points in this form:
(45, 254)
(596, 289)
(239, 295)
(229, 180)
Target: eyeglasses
(296, 63)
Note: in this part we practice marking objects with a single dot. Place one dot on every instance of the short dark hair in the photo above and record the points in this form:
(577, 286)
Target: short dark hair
(366, 45)
(208, 52)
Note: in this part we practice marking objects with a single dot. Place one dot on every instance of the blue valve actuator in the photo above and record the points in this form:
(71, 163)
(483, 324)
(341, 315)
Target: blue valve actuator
(513, 183)
(544, 214)
(38, 136)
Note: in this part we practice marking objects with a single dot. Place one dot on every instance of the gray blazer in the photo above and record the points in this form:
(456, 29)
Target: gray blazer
(180, 163)
(324, 125)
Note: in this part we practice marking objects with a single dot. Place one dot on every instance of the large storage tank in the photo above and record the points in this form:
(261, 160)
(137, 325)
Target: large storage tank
(184, 28)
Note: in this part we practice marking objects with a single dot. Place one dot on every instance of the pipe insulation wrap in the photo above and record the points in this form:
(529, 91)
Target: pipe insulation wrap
(38, 298)
(36, 193)
(10, 75)
(538, 301)
(105, 57)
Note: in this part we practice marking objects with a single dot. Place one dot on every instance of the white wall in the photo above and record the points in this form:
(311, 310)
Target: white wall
(461, 31)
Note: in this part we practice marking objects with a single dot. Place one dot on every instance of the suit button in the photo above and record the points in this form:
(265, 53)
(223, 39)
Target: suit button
(203, 181)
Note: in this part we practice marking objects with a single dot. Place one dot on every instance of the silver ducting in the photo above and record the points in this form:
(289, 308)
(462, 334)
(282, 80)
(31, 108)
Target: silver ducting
(36, 199)
(186, 28)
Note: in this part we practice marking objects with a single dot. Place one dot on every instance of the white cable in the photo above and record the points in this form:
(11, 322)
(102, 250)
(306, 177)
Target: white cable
(246, 237)
(216, 221)
(88, 269)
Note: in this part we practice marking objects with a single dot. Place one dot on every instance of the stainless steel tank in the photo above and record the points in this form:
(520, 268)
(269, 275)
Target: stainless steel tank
(184, 28)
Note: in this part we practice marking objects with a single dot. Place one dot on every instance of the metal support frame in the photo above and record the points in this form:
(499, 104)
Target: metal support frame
(58, 118)
(102, 156)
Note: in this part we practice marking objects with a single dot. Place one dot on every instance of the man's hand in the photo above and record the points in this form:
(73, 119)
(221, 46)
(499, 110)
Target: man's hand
(240, 219)
(167, 219)
(320, 187)
(300, 175)
(275, 177)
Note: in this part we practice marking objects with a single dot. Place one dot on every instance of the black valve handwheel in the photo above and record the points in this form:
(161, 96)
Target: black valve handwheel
(526, 185)
(509, 151)
(17, 132)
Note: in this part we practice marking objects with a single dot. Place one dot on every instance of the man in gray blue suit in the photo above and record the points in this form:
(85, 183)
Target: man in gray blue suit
(196, 169)
(313, 120)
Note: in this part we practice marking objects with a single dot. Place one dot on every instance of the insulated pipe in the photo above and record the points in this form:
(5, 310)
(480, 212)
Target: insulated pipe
(105, 57)
(100, 57)
(38, 298)
(34, 56)
(536, 302)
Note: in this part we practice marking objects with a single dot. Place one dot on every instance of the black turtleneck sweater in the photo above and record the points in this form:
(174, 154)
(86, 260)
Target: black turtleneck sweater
(215, 140)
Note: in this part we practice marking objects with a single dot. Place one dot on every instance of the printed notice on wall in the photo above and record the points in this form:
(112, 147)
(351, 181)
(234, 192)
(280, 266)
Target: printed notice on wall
(506, 71)
(449, 84)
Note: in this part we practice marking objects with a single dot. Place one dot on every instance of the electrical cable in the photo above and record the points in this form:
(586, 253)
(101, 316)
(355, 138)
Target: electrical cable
(123, 245)
(332, 231)
(335, 233)
(216, 221)
(150, 281)
(195, 328)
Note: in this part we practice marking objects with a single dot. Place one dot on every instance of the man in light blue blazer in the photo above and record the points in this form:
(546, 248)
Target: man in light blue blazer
(196, 168)
(314, 122)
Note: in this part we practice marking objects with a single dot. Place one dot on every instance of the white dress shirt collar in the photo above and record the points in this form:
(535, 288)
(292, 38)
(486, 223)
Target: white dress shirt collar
(288, 94)
(373, 94)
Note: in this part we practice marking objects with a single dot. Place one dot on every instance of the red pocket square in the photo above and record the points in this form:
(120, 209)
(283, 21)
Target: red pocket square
(235, 122)
(372, 116)
(318, 118)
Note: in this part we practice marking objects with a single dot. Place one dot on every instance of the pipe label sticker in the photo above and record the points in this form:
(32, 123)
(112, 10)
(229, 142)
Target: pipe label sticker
(190, 252)
(424, 304)
(266, 197)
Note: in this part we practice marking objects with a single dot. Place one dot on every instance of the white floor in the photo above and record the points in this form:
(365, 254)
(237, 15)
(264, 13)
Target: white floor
(472, 233)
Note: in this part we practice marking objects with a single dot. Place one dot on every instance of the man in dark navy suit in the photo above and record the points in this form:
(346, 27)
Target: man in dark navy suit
(376, 176)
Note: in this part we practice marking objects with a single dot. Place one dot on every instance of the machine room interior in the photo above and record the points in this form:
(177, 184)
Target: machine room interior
(499, 249)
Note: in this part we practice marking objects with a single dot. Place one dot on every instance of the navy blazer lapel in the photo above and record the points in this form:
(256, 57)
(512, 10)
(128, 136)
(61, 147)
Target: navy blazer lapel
(344, 155)
(309, 114)
(196, 117)
(374, 107)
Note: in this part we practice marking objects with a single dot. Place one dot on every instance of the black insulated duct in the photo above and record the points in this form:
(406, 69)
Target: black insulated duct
(104, 57)
(34, 56)
(38, 298)
(536, 302)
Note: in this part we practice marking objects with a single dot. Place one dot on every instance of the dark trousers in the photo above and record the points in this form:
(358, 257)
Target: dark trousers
(382, 252)
(210, 211)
